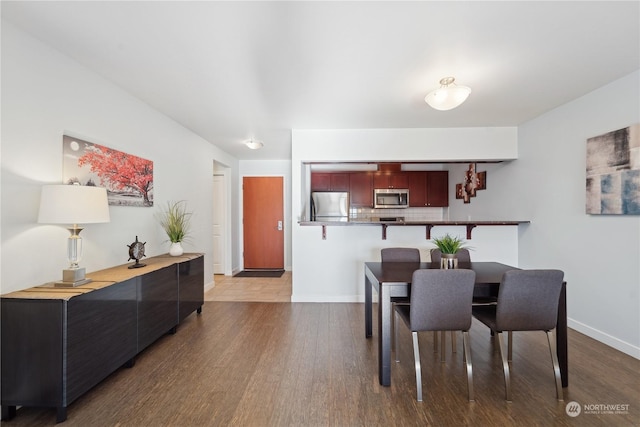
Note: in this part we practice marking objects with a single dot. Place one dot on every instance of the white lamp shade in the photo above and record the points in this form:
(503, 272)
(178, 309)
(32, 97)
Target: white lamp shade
(73, 204)
(448, 97)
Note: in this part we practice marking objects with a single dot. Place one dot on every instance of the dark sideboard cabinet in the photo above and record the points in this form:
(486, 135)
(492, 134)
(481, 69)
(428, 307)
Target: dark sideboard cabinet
(58, 343)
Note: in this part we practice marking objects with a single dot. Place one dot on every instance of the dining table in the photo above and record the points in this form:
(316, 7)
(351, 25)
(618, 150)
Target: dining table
(392, 281)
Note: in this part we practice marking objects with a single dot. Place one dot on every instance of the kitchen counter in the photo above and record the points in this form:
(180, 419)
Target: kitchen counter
(470, 225)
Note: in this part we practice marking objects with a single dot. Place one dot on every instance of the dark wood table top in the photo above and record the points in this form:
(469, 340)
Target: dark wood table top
(402, 272)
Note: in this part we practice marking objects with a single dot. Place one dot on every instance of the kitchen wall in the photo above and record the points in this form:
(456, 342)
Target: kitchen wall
(332, 269)
(45, 95)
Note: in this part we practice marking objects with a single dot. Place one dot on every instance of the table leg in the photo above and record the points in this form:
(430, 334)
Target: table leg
(562, 338)
(368, 307)
(384, 337)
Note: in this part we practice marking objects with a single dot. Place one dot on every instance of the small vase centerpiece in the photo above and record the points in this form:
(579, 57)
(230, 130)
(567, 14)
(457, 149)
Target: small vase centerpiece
(449, 247)
(175, 221)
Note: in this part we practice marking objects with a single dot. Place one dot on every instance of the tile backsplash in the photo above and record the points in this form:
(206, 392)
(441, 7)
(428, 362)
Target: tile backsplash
(409, 214)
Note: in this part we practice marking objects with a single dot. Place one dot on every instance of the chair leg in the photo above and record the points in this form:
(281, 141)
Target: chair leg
(510, 344)
(554, 360)
(505, 367)
(443, 339)
(466, 351)
(435, 342)
(416, 357)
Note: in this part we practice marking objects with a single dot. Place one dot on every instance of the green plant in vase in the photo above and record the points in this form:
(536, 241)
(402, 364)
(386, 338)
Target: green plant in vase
(176, 222)
(449, 247)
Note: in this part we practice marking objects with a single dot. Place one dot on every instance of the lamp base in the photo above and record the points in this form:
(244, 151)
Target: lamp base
(73, 277)
(64, 284)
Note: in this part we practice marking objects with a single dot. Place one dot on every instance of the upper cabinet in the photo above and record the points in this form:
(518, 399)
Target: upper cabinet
(428, 189)
(437, 189)
(321, 181)
(417, 189)
(391, 180)
(361, 189)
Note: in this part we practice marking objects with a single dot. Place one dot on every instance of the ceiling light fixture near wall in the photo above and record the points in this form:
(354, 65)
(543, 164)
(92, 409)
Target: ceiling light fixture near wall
(448, 96)
(254, 144)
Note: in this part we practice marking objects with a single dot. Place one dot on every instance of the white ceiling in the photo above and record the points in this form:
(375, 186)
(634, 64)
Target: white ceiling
(233, 70)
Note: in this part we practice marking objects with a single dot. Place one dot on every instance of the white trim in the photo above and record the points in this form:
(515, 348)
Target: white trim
(327, 298)
(605, 338)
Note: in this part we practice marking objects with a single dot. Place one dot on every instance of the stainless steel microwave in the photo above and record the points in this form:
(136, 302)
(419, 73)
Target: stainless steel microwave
(390, 198)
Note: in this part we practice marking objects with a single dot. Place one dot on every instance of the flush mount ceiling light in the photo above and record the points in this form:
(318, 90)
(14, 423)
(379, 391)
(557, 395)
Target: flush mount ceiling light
(448, 96)
(254, 144)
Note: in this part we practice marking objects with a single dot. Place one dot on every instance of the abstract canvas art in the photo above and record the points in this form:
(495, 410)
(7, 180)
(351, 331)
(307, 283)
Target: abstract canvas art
(473, 181)
(127, 178)
(613, 172)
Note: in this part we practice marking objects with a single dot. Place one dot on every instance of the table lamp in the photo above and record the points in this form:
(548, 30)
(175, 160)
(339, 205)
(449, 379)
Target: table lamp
(74, 205)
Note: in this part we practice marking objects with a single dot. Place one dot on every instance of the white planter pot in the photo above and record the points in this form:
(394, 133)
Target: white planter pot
(176, 249)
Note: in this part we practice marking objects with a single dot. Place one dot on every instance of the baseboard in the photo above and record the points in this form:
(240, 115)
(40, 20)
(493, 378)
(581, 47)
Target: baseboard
(325, 298)
(605, 338)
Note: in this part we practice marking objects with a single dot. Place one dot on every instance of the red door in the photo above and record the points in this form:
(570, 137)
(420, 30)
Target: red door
(263, 222)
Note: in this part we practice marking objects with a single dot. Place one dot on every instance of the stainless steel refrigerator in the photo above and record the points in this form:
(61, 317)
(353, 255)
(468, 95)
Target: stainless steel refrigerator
(329, 206)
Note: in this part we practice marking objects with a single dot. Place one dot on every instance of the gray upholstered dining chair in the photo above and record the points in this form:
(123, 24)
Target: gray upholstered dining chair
(440, 301)
(399, 255)
(527, 301)
(463, 256)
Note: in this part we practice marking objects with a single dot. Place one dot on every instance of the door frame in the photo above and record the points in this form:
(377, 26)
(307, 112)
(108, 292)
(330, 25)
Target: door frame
(221, 169)
(221, 198)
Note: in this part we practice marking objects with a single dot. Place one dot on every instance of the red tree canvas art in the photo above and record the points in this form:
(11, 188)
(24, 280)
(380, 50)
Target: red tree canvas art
(127, 178)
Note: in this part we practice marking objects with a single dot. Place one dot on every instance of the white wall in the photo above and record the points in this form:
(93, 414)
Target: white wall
(44, 95)
(332, 269)
(600, 254)
(268, 168)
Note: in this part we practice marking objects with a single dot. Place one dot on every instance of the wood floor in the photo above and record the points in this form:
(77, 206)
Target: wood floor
(309, 364)
(263, 289)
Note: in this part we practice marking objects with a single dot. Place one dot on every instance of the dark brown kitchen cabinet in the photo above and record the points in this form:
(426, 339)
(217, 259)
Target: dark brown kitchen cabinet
(437, 188)
(391, 180)
(417, 189)
(429, 189)
(361, 189)
(58, 343)
(328, 181)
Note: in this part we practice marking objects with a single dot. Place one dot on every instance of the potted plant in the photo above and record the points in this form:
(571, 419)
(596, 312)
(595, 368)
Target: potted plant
(175, 220)
(449, 247)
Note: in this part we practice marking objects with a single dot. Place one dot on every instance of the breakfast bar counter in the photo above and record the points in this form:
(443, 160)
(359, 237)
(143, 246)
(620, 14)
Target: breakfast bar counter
(470, 225)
